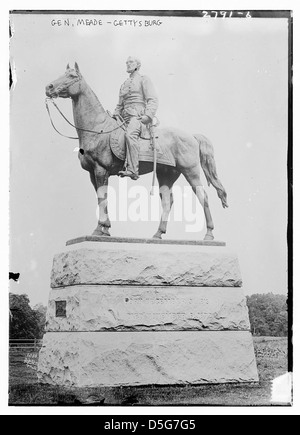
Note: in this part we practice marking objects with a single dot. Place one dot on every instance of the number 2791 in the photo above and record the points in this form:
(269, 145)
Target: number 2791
(225, 14)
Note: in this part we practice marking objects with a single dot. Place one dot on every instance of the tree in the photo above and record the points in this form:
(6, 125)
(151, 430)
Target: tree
(25, 322)
(41, 312)
(268, 314)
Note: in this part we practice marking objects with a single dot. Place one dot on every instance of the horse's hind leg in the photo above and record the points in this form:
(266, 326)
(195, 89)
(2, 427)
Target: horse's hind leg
(166, 178)
(193, 177)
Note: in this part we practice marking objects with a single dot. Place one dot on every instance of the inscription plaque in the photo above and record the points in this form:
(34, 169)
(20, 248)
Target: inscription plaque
(61, 308)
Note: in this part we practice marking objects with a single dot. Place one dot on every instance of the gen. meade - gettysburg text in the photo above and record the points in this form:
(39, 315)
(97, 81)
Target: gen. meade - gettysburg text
(71, 22)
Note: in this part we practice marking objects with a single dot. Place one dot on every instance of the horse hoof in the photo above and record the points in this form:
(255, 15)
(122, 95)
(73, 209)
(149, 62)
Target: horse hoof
(157, 237)
(101, 231)
(97, 233)
(209, 238)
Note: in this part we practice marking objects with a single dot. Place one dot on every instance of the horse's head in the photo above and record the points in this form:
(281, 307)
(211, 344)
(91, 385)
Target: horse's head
(66, 86)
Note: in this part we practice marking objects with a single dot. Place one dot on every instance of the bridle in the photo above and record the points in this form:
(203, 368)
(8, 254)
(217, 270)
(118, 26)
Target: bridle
(72, 125)
(78, 79)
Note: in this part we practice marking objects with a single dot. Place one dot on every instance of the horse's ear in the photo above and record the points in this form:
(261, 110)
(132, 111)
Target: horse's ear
(68, 66)
(77, 67)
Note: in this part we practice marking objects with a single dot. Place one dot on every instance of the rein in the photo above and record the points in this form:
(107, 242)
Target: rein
(72, 125)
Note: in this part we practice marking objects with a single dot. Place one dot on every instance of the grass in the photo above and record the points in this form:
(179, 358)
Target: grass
(271, 355)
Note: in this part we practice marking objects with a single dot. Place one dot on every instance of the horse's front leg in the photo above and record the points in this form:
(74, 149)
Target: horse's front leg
(101, 176)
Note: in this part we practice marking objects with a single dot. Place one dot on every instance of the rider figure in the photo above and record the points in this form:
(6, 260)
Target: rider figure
(137, 106)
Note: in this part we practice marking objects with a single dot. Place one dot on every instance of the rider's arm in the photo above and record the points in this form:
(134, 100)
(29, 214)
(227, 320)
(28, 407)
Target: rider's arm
(150, 97)
(120, 105)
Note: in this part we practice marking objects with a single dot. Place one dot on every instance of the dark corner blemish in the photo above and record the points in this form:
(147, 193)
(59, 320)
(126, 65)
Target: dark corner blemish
(10, 77)
(14, 276)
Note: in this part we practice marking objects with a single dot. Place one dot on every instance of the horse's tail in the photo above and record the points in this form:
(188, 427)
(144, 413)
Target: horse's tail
(208, 164)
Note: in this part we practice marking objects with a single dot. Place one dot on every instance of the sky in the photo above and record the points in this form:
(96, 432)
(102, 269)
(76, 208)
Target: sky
(224, 78)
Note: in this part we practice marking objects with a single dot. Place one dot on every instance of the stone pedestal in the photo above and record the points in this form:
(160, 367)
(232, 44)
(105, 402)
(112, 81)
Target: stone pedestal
(136, 312)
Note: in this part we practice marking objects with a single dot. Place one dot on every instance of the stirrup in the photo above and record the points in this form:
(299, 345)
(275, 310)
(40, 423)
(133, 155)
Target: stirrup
(128, 173)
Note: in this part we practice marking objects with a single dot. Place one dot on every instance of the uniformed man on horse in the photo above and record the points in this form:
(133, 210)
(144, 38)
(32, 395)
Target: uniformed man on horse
(137, 107)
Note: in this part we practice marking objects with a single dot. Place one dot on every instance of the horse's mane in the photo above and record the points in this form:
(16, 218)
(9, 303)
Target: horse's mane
(92, 92)
(108, 117)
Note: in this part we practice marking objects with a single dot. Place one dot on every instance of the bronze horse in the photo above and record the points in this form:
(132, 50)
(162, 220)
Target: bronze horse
(96, 156)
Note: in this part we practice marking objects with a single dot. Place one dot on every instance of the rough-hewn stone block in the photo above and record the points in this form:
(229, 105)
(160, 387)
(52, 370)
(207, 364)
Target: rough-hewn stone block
(94, 359)
(197, 267)
(123, 308)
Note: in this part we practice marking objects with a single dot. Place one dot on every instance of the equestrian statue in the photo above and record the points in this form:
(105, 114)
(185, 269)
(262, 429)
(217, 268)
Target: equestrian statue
(129, 143)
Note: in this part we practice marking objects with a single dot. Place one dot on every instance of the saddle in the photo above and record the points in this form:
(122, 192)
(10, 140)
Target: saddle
(146, 150)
